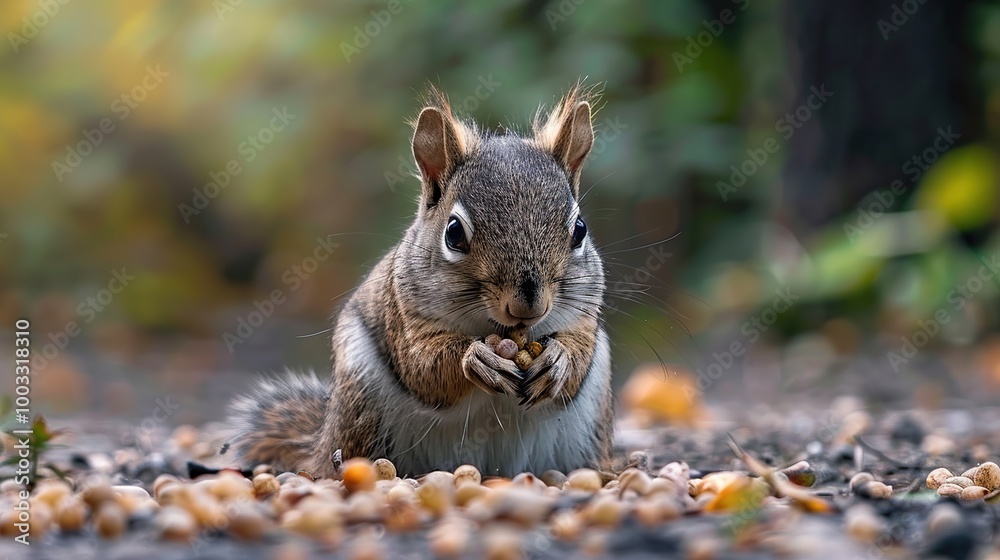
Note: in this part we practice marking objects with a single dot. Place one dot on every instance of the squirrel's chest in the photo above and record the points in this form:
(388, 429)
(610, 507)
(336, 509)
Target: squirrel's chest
(493, 433)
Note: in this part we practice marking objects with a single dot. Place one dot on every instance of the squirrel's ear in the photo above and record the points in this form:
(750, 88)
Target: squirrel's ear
(436, 150)
(573, 142)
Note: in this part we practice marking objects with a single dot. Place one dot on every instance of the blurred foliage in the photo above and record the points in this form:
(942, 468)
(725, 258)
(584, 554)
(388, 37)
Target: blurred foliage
(351, 74)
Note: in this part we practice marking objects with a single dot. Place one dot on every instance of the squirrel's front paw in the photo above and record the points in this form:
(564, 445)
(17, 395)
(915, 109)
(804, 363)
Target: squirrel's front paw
(547, 374)
(490, 372)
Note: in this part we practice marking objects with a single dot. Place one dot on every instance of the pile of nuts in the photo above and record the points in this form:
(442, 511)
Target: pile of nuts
(973, 484)
(517, 348)
(581, 506)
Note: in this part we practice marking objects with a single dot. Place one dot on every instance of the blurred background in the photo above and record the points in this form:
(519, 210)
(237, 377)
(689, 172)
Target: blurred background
(796, 200)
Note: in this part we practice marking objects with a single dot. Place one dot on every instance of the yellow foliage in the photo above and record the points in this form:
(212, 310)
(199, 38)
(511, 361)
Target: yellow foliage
(962, 187)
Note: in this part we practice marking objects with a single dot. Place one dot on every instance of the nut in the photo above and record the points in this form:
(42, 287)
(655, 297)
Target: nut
(988, 476)
(534, 348)
(937, 477)
(523, 360)
(384, 469)
(359, 475)
(974, 493)
(947, 490)
(506, 349)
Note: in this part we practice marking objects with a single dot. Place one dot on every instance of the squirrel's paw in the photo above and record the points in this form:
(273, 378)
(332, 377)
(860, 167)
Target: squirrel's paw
(547, 374)
(490, 372)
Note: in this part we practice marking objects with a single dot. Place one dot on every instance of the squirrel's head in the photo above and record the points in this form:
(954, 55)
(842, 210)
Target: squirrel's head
(499, 239)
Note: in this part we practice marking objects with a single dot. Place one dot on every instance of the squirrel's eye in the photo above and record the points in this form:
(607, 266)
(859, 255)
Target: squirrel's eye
(579, 233)
(454, 236)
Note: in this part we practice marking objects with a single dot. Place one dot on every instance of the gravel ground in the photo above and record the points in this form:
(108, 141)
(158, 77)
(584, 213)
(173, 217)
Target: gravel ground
(898, 448)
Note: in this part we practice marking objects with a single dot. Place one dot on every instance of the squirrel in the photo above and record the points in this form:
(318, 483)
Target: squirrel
(498, 244)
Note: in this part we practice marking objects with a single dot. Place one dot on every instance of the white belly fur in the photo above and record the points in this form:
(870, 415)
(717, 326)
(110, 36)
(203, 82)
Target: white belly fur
(491, 431)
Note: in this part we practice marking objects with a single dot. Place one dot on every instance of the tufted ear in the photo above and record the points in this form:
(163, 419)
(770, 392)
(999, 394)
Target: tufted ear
(436, 150)
(567, 132)
(574, 141)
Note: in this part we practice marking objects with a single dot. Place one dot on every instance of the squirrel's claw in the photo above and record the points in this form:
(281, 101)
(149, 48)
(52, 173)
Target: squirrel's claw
(490, 372)
(546, 376)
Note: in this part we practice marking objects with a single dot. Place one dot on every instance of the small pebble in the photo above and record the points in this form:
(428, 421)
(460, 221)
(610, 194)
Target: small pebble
(553, 478)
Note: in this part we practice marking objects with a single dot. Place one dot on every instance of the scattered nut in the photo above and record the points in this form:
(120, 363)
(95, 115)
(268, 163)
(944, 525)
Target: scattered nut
(947, 490)
(988, 476)
(534, 348)
(937, 477)
(384, 469)
(359, 475)
(974, 493)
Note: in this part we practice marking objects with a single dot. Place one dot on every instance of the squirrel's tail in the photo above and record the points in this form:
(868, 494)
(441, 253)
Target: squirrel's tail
(279, 423)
